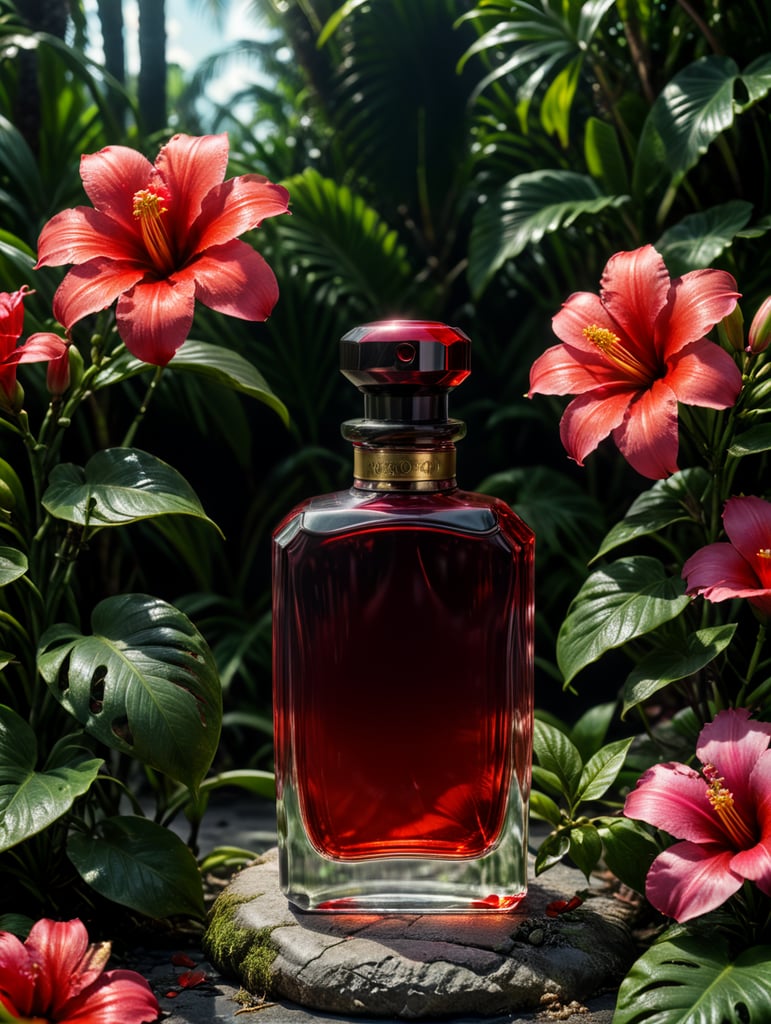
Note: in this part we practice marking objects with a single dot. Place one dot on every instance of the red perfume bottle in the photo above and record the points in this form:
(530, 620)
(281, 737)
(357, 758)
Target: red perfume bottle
(403, 657)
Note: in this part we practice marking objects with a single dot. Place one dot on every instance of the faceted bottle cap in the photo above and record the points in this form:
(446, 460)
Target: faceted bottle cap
(410, 354)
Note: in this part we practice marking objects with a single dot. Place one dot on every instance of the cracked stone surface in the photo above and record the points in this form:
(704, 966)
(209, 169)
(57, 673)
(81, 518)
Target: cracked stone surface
(419, 965)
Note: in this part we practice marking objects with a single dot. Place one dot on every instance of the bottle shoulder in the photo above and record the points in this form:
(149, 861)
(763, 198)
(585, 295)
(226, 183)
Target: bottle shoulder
(355, 509)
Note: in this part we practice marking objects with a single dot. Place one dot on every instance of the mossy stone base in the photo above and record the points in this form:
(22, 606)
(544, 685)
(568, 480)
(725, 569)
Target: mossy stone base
(420, 965)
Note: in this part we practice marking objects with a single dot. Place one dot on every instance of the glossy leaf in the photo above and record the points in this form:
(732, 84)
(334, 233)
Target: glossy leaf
(629, 850)
(31, 800)
(523, 211)
(117, 486)
(139, 864)
(13, 564)
(676, 499)
(751, 442)
(700, 238)
(144, 683)
(214, 363)
(585, 848)
(551, 851)
(689, 980)
(604, 156)
(542, 806)
(626, 600)
(557, 754)
(669, 663)
(601, 770)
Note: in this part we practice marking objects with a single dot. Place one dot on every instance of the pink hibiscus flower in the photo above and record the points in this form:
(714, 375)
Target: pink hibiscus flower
(158, 238)
(741, 566)
(38, 347)
(722, 814)
(56, 976)
(631, 353)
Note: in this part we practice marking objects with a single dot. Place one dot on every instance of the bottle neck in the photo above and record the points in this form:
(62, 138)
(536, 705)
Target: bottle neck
(404, 452)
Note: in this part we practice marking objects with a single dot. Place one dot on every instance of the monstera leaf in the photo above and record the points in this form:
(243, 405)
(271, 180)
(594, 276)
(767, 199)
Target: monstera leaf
(689, 980)
(144, 683)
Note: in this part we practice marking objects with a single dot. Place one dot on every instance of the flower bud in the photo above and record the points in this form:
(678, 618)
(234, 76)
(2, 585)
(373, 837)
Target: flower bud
(760, 329)
(58, 373)
(731, 330)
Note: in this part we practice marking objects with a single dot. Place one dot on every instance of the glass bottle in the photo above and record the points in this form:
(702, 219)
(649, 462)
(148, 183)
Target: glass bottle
(403, 657)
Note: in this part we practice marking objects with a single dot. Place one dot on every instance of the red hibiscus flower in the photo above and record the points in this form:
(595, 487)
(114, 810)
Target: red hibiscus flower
(722, 814)
(632, 353)
(741, 566)
(56, 976)
(38, 347)
(158, 238)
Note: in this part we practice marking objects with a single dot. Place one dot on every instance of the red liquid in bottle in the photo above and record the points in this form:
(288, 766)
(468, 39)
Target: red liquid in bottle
(407, 680)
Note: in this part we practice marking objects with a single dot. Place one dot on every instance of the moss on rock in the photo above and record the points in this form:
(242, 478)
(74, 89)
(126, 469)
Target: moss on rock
(244, 952)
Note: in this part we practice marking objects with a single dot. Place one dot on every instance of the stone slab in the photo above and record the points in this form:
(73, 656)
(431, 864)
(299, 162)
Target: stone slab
(407, 967)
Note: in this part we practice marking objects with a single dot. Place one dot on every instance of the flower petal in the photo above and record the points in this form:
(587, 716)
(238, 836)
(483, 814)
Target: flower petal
(688, 880)
(190, 167)
(37, 349)
(155, 318)
(117, 997)
(719, 573)
(565, 370)
(11, 317)
(17, 981)
(58, 947)
(634, 289)
(82, 234)
(237, 205)
(111, 177)
(92, 287)
(733, 743)
(235, 280)
(579, 311)
(704, 374)
(591, 417)
(647, 437)
(747, 522)
(673, 797)
(697, 302)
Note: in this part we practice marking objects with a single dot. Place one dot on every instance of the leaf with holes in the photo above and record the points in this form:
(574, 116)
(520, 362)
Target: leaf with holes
(144, 683)
(689, 980)
(139, 864)
(31, 800)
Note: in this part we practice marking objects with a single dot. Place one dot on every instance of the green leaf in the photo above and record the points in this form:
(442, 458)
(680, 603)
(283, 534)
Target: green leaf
(145, 683)
(558, 755)
(551, 851)
(669, 663)
(756, 439)
(13, 564)
(604, 157)
(601, 770)
(117, 486)
(674, 500)
(30, 800)
(689, 980)
(585, 848)
(699, 238)
(626, 600)
(693, 108)
(251, 779)
(523, 211)
(139, 864)
(629, 850)
(544, 807)
(336, 19)
(590, 730)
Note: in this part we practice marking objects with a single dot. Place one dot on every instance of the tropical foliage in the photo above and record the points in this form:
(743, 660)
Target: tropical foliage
(478, 163)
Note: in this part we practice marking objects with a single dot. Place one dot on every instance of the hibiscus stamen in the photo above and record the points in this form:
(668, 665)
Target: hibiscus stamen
(611, 346)
(722, 800)
(764, 566)
(149, 209)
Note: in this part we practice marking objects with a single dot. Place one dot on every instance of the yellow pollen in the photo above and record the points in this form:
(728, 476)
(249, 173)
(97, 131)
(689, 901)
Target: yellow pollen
(612, 347)
(722, 800)
(148, 209)
(764, 553)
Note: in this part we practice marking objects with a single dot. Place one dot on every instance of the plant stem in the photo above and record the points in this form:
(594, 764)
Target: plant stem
(130, 433)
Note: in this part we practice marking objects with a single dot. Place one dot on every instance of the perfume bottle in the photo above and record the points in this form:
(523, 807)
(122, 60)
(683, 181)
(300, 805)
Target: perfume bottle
(403, 657)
